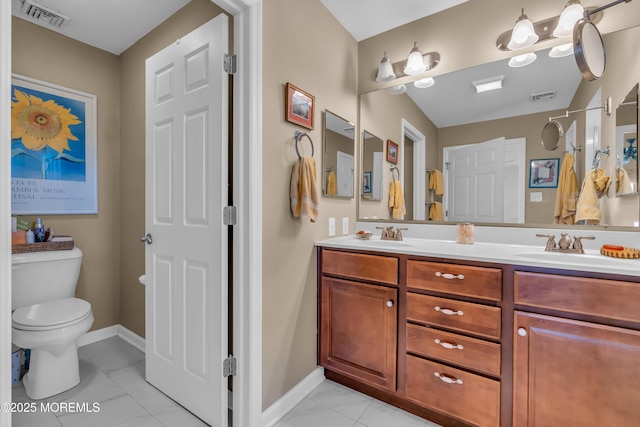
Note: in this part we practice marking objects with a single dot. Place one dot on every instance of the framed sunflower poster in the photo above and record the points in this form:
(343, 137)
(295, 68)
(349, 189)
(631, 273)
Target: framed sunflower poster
(53, 149)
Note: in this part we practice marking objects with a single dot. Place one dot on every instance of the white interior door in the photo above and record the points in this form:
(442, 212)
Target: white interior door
(344, 180)
(186, 190)
(514, 180)
(474, 188)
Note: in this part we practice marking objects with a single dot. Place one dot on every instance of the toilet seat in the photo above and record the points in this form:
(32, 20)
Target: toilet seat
(51, 315)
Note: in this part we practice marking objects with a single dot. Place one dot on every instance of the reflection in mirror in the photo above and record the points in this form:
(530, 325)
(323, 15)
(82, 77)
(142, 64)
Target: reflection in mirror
(627, 145)
(551, 134)
(372, 164)
(454, 115)
(338, 156)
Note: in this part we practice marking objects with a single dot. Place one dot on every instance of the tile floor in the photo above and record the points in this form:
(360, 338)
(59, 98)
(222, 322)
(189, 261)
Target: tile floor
(112, 374)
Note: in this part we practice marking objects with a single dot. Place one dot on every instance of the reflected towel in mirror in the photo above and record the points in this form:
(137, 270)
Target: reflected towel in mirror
(396, 200)
(436, 182)
(436, 212)
(332, 185)
(565, 209)
(594, 186)
(623, 183)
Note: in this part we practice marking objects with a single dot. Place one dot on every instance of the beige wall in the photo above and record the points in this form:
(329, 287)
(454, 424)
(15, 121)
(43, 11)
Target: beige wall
(48, 56)
(302, 44)
(132, 158)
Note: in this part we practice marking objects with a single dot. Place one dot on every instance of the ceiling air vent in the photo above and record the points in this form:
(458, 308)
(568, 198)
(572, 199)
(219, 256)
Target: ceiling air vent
(43, 15)
(543, 96)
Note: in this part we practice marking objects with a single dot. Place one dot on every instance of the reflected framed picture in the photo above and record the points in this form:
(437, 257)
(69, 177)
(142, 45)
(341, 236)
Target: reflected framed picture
(543, 173)
(392, 152)
(366, 182)
(299, 106)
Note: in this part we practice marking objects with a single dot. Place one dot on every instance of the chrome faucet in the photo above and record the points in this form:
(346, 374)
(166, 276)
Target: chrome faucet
(565, 244)
(389, 234)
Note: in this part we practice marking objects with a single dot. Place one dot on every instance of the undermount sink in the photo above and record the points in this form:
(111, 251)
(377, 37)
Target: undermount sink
(377, 242)
(572, 258)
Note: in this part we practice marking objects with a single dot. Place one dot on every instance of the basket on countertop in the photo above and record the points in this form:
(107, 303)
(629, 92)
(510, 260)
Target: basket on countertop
(42, 246)
(616, 251)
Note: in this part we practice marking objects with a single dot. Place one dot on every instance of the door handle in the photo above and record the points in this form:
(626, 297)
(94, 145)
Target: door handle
(147, 239)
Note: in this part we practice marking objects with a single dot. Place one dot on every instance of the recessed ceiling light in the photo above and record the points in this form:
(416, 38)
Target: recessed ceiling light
(424, 83)
(485, 85)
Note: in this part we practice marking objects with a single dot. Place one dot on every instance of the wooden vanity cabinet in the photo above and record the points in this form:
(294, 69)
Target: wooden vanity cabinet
(358, 317)
(571, 372)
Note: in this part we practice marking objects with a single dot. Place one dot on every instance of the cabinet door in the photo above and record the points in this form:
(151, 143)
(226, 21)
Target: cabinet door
(571, 373)
(358, 331)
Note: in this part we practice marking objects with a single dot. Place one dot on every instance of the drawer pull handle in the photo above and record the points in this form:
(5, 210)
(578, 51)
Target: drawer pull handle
(389, 303)
(448, 311)
(449, 276)
(448, 345)
(447, 379)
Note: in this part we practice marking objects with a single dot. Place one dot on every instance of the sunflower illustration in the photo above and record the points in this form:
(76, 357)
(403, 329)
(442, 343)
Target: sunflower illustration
(41, 123)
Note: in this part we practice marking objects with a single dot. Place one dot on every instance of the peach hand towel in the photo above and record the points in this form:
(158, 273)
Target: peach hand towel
(623, 183)
(303, 192)
(396, 200)
(436, 212)
(436, 182)
(565, 209)
(594, 186)
(332, 186)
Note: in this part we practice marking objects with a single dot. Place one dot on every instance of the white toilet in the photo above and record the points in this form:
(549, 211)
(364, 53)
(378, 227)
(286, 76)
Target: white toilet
(48, 319)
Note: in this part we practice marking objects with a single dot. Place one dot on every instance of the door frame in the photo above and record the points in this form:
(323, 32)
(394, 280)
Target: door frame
(247, 252)
(419, 167)
(247, 196)
(5, 207)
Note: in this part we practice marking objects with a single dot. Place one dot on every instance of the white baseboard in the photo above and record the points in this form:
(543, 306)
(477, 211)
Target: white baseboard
(111, 331)
(294, 396)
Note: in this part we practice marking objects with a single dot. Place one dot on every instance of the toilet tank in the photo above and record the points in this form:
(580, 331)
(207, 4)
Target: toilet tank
(39, 277)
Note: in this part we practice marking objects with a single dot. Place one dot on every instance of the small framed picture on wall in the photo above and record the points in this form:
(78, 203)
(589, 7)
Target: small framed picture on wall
(299, 106)
(392, 152)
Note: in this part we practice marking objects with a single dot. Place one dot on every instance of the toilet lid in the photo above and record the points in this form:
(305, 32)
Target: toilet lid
(49, 315)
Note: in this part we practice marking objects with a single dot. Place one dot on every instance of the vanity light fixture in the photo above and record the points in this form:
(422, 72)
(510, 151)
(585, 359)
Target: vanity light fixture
(486, 85)
(397, 90)
(522, 60)
(424, 83)
(415, 64)
(523, 34)
(572, 13)
(385, 70)
(561, 50)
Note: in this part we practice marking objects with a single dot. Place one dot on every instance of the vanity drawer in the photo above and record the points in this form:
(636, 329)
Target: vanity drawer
(452, 314)
(471, 353)
(468, 397)
(360, 266)
(456, 279)
(596, 297)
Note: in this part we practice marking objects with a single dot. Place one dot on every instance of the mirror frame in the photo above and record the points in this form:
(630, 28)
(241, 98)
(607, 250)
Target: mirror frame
(328, 168)
(631, 97)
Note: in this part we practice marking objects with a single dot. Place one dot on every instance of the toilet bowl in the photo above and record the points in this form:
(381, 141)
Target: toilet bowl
(48, 319)
(51, 331)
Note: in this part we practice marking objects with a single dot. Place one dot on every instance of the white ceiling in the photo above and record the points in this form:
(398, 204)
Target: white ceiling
(111, 25)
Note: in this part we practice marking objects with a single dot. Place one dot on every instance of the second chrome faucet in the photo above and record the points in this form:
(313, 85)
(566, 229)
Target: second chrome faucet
(564, 243)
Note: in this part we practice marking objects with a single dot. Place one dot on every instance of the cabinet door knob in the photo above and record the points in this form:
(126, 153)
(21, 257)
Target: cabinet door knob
(448, 311)
(522, 332)
(449, 276)
(447, 379)
(389, 303)
(449, 345)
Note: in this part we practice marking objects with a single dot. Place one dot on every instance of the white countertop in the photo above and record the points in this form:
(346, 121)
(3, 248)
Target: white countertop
(526, 255)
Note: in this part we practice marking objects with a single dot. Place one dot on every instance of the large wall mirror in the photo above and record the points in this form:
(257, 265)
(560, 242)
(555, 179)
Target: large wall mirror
(338, 156)
(454, 117)
(626, 177)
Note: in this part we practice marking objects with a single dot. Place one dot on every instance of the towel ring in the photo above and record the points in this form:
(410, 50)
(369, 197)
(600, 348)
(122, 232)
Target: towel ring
(298, 135)
(397, 170)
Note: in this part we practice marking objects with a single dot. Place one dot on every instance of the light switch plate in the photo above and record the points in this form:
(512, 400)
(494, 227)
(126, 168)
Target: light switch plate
(332, 227)
(535, 196)
(345, 225)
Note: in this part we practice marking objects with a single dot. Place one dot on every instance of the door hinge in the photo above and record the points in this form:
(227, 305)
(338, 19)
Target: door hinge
(230, 64)
(229, 215)
(229, 366)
